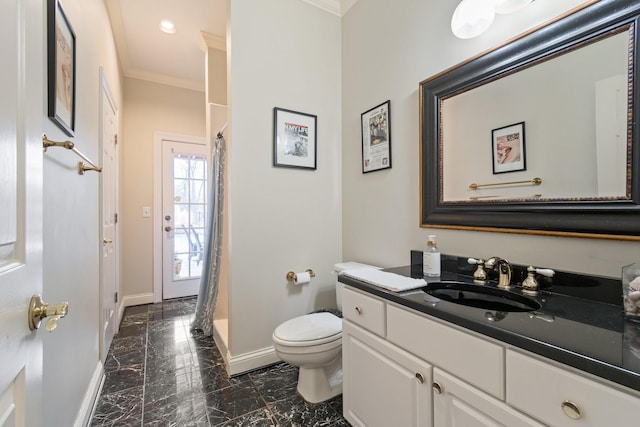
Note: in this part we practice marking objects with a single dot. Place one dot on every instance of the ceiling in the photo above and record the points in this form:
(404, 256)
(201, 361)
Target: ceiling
(177, 59)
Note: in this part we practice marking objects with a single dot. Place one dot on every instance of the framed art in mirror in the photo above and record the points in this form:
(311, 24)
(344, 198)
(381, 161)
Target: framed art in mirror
(508, 149)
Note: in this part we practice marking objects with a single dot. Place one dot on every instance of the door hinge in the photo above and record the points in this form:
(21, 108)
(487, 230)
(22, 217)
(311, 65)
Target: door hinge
(116, 297)
(115, 139)
(115, 218)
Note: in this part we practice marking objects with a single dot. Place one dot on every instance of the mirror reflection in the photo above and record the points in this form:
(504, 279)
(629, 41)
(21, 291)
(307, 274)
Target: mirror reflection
(562, 121)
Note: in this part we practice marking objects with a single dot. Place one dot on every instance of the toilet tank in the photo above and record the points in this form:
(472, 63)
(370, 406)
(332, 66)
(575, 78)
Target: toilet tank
(339, 268)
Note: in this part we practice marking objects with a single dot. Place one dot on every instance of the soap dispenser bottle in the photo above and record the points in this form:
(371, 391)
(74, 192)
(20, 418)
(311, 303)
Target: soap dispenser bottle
(431, 258)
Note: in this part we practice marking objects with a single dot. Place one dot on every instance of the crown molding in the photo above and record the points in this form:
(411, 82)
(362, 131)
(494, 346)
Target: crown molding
(165, 80)
(211, 41)
(336, 7)
(346, 5)
(117, 27)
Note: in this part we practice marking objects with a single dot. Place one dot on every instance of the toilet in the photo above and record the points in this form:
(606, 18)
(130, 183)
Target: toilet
(313, 342)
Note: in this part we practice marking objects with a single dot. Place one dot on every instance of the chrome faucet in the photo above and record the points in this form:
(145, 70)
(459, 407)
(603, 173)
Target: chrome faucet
(504, 271)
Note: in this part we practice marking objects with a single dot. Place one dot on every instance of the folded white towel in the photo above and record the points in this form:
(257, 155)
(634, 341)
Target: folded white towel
(391, 281)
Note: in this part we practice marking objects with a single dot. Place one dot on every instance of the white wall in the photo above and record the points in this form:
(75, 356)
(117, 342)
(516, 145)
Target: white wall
(388, 48)
(71, 222)
(283, 53)
(148, 108)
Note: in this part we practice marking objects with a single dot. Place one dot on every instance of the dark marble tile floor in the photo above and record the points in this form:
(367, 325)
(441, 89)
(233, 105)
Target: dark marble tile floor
(159, 373)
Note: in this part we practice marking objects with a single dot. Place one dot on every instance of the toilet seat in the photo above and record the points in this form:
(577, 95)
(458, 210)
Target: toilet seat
(309, 330)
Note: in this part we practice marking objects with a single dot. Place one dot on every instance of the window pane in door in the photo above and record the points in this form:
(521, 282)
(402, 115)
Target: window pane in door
(190, 212)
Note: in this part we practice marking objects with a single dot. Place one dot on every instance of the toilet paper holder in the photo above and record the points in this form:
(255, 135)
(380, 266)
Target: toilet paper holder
(292, 276)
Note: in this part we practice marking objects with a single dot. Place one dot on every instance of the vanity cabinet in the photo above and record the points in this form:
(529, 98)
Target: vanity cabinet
(562, 398)
(456, 403)
(385, 385)
(402, 367)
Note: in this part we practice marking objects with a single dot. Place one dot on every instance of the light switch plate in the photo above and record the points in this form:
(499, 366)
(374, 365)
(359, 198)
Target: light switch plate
(146, 212)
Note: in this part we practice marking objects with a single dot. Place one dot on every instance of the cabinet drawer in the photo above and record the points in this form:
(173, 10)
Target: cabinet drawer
(364, 311)
(472, 359)
(539, 389)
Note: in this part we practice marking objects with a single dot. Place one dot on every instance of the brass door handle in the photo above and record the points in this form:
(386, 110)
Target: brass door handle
(107, 241)
(358, 310)
(38, 310)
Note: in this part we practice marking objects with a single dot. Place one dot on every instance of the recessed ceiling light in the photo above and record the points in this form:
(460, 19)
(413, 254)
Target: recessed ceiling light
(167, 26)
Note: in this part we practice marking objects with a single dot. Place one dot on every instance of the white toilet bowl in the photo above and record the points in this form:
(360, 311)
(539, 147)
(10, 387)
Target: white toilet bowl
(313, 342)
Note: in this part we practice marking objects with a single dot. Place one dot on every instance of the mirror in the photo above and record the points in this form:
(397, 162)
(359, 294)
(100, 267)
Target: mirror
(539, 135)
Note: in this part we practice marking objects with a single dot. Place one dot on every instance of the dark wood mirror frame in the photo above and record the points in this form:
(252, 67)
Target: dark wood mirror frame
(612, 219)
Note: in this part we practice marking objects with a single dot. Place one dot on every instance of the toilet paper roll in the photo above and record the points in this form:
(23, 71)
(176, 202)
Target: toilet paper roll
(302, 278)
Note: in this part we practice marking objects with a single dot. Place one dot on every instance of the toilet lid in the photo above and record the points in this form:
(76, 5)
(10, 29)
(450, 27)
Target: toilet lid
(310, 327)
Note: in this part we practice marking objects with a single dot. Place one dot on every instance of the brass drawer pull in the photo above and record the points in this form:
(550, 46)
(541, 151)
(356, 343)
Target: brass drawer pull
(420, 377)
(571, 410)
(358, 310)
(437, 388)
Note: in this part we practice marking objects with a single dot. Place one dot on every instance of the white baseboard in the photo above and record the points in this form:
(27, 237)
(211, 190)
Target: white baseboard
(131, 300)
(254, 360)
(220, 334)
(90, 398)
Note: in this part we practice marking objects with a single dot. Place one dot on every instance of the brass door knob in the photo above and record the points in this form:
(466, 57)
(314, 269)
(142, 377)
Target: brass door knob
(38, 310)
(167, 228)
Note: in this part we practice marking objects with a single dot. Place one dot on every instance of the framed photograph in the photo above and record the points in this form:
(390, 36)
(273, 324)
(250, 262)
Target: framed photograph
(376, 138)
(294, 139)
(508, 149)
(61, 68)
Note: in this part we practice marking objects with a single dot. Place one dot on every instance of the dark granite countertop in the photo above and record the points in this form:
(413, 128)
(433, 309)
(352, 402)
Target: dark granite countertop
(579, 331)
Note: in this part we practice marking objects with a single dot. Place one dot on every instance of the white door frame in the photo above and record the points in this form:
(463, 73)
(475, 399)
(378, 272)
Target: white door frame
(158, 137)
(105, 91)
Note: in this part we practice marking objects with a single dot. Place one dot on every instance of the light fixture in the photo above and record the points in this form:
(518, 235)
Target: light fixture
(472, 17)
(167, 26)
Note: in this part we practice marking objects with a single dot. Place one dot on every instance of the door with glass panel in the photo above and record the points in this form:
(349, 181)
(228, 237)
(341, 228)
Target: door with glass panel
(184, 201)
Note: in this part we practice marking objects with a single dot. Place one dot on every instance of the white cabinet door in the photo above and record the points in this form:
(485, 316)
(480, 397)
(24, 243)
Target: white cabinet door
(383, 385)
(460, 405)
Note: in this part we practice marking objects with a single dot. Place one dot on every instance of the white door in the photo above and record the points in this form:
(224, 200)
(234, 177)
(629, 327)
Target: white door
(184, 213)
(21, 107)
(109, 181)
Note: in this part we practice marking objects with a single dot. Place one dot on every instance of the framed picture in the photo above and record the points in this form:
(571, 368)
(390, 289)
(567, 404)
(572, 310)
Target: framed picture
(508, 149)
(294, 139)
(376, 138)
(61, 68)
